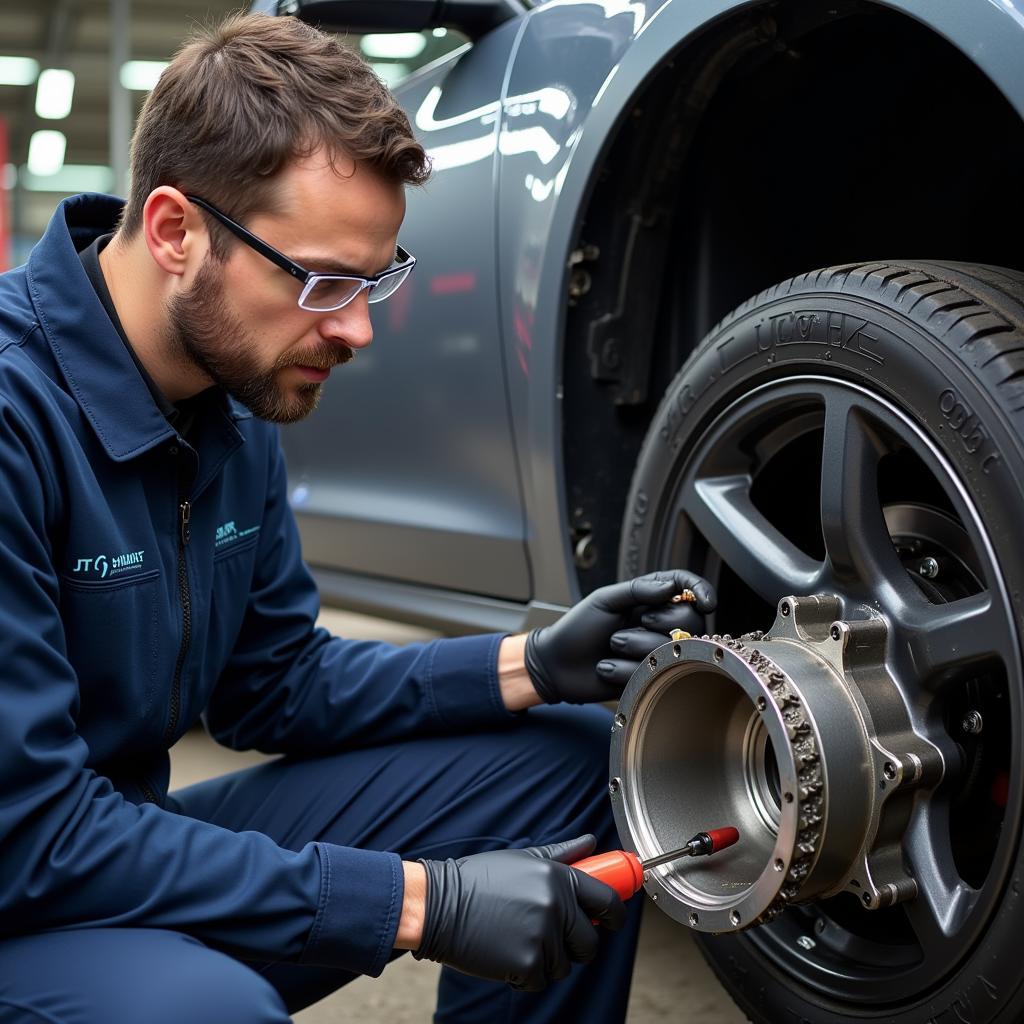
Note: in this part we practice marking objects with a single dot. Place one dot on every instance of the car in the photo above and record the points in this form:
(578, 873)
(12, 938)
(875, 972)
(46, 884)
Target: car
(739, 287)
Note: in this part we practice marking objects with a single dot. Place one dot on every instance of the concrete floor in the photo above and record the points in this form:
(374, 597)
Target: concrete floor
(671, 982)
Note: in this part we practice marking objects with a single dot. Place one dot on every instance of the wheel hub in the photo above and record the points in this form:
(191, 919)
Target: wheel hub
(798, 737)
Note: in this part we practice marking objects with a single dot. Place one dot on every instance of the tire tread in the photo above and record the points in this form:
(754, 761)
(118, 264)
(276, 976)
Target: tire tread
(987, 337)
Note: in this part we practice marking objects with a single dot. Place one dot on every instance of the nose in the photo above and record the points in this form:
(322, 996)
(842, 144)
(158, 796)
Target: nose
(350, 325)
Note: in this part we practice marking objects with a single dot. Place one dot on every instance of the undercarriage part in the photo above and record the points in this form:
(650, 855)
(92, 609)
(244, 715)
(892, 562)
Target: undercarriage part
(800, 738)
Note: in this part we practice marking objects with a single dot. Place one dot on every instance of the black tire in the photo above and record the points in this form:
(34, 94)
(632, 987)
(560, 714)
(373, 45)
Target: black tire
(942, 345)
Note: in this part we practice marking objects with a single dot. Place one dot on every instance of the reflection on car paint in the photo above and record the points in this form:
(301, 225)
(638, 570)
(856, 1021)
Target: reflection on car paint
(453, 284)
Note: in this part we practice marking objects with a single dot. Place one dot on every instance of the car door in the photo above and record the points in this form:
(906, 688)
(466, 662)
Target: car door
(407, 472)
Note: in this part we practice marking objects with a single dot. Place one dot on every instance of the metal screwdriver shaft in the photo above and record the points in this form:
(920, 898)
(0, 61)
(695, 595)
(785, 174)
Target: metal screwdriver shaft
(703, 844)
(624, 871)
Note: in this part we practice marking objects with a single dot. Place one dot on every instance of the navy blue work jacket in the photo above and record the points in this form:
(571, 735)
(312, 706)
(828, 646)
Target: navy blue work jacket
(144, 581)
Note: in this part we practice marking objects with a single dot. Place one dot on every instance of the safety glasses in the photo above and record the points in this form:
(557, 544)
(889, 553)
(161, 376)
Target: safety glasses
(321, 293)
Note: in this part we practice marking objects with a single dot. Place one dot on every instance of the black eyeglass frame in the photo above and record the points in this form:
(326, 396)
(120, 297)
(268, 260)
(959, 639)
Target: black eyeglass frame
(310, 278)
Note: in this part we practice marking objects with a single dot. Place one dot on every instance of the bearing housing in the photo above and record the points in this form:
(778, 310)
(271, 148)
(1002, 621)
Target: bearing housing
(799, 738)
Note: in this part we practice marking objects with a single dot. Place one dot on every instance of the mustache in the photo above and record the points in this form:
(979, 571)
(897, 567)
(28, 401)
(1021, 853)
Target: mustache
(323, 357)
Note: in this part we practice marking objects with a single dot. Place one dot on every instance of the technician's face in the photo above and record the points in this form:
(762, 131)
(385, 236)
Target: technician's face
(240, 321)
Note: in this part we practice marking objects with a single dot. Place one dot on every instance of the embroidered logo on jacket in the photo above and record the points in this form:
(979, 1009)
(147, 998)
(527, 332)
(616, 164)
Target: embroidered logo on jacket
(228, 533)
(104, 566)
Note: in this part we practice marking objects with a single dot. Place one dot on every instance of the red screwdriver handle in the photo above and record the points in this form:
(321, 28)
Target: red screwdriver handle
(620, 869)
(722, 837)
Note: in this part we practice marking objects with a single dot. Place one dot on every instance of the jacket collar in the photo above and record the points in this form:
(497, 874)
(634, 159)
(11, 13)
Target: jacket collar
(99, 370)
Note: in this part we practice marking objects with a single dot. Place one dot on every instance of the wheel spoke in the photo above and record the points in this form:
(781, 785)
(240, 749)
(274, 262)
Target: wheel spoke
(857, 542)
(944, 900)
(943, 639)
(721, 508)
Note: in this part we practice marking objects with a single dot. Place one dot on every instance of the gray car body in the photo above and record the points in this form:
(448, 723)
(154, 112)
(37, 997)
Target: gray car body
(430, 483)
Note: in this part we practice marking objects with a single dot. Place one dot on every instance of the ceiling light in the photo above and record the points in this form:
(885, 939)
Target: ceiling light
(18, 70)
(70, 178)
(46, 153)
(54, 92)
(439, 33)
(141, 75)
(390, 74)
(393, 46)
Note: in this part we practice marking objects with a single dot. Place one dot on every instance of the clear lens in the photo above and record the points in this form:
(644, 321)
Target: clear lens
(330, 293)
(382, 289)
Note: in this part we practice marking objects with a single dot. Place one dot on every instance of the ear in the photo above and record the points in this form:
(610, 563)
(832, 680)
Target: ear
(174, 230)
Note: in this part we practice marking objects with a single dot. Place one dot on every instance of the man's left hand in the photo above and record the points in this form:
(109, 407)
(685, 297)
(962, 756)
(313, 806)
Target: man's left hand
(590, 653)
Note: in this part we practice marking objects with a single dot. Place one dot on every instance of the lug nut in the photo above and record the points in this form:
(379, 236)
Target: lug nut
(928, 568)
(973, 723)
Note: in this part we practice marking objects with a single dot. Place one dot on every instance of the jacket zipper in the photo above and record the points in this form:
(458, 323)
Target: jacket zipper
(148, 792)
(184, 535)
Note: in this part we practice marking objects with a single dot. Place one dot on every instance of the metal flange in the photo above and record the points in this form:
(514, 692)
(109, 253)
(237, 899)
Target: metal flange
(798, 738)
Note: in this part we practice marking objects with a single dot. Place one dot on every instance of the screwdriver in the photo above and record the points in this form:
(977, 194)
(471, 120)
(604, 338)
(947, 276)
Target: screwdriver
(624, 871)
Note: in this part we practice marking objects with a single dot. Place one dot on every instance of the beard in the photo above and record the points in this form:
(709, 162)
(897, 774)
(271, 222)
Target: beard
(203, 331)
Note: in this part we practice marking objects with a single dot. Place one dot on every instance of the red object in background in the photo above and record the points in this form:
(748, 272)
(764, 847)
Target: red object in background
(1001, 789)
(453, 284)
(399, 304)
(5, 202)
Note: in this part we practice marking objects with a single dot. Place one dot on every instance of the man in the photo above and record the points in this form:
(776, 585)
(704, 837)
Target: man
(150, 573)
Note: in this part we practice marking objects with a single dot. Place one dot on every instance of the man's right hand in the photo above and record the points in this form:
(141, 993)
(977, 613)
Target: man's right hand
(518, 916)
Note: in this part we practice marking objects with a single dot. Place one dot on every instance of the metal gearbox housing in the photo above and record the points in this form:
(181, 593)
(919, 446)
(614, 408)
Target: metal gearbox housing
(799, 738)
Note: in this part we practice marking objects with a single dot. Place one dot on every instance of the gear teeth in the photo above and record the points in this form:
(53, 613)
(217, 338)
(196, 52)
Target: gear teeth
(810, 789)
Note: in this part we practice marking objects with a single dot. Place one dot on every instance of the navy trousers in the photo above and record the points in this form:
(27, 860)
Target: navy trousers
(538, 780)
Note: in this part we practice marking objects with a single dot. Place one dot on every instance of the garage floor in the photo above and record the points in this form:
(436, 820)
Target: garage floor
(671, 981)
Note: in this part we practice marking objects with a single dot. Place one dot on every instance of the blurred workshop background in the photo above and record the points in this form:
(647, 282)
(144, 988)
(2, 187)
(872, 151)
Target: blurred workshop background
(73, 77)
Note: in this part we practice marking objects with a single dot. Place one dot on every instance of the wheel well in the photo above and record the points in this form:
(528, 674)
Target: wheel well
(797, 136)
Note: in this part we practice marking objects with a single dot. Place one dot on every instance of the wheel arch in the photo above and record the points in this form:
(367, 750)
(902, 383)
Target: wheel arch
(621, 335)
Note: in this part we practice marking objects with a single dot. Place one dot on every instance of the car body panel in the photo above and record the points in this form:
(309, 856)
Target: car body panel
(407, 470)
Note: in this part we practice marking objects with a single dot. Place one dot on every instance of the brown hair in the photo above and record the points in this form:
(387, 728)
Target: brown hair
(240, 101)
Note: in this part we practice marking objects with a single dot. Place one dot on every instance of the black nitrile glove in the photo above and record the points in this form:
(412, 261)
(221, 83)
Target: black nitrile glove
(591, 651)
(518, 916)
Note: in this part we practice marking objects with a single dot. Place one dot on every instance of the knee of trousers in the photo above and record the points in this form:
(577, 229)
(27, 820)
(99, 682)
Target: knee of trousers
(579, 742)
(213, 988)
(127, 975)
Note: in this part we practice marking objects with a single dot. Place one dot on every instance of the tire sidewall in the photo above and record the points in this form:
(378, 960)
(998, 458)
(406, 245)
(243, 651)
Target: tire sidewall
(843, 336)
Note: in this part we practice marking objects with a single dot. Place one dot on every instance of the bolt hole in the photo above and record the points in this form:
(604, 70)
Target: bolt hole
(613, 786)
(676, 650)
(652, 661)
(784, 609)
(718, 654)
(761, 703)
(866, 897)
(779, 864)
(835, 632)
(788, 797)
(889, 770)
(694, 921)
(620, 720)
(734, 917)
